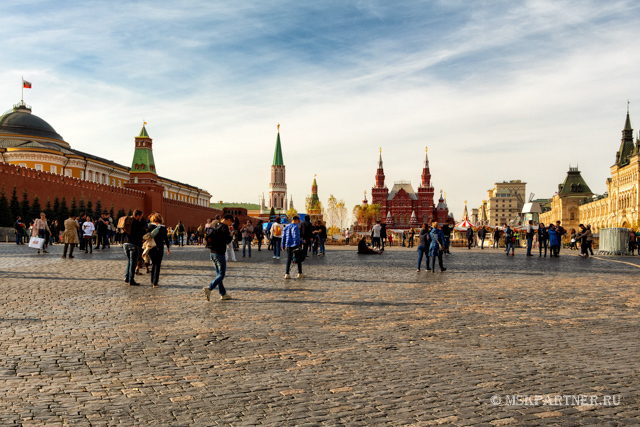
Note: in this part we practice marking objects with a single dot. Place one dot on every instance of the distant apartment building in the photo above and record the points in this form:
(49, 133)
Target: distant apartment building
(505, 202)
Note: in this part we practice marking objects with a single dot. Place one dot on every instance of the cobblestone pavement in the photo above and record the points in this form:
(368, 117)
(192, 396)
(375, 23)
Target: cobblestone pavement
(363, 340)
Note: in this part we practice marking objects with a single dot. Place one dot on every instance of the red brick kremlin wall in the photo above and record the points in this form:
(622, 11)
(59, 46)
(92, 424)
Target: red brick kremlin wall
(46, 185)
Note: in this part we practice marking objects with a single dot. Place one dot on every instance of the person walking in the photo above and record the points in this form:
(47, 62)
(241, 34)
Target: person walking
(180, 232)
(590, 239)
(19, 227)
(276, 236)
(530, 233)
(70, 236)
(560, 232)
(290, 242)
(231, 251)
(482, 234)
(573, 245)
(554, 241)
(322, 236)
(412, 235)
(383, 235)
(158, 232)
(346, 237)
(306, 233)
(423, 246)
(259, 232)
(436, 246)
(88, 229)
(41, 228)
(496, 238)
(446, 232)
(469, 234)
(543, 239)
(133, 247)
(102, 225)
(247, 237)
(220, 237)
(584, 234)
(509, 240)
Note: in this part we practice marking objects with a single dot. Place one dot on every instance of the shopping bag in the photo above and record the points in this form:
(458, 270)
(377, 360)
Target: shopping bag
(36, 242)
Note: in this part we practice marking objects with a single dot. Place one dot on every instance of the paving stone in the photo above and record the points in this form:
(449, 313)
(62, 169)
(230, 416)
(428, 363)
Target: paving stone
(360, 341)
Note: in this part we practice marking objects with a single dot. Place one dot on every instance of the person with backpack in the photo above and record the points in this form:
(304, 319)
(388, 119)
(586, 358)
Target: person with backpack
(290, 242)
(133, 249)
(180, 233)
(217, 239)
(276, 236)
(554, 242)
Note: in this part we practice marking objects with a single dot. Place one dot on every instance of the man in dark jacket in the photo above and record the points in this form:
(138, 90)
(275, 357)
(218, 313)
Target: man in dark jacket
(469, 237)
(220, 237)
(133, 249)
(103, 226)
(482, 234)
(306, 233)
(446, 232)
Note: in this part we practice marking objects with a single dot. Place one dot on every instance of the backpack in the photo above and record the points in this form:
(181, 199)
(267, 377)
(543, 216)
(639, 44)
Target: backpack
(211, 235)
(277, 230)
(124, 223)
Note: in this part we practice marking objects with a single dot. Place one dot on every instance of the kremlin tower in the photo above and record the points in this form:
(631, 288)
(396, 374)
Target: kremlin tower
(278, 186)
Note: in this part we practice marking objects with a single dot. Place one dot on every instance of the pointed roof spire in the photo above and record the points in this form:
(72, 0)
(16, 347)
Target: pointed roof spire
(380, 161)
(314, 180)
(277, 156)
(627, 125)
(426, 157)
(143, 132)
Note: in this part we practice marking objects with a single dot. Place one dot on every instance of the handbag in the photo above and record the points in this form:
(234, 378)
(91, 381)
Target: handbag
(299, 255)
(149, 242)
(36, 242)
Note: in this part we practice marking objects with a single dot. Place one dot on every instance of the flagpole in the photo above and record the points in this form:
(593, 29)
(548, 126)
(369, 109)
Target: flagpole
(22, 92)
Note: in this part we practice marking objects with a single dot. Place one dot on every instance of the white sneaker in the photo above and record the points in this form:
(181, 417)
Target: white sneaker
(301, 276)
(225, 297)
(277, 257)
(287, 276)
(207, 293)
(274, 257)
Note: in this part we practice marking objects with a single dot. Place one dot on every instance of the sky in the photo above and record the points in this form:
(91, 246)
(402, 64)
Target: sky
(497, 90)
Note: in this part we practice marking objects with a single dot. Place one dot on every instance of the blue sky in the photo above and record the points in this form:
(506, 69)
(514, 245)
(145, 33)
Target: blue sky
(497, 90)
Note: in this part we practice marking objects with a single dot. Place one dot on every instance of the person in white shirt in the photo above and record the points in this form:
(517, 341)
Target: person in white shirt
(87, 234)
(375, 235)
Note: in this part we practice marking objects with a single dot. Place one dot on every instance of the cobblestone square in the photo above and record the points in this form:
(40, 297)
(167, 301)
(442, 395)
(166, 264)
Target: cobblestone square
(362, 340)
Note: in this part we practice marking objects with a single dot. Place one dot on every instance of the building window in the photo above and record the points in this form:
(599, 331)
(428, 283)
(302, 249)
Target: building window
(54, 169)
(38, 167)
(68, 172)
(23, 165)
(81, 174)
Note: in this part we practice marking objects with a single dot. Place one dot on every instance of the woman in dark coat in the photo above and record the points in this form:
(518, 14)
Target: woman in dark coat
(159, 233)
(437, 240)
(423, 246)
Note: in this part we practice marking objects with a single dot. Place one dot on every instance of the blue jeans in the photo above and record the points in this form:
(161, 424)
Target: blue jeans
(447, 240)
(220, 263)
(277, 241)
(246, 242)
(290, 259)
(322, 245)
(510, 246)
(18, 237)
(133, 252)
(422, 251)
(529, 244)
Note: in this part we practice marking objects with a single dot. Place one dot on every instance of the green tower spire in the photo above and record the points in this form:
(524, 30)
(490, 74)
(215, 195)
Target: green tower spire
(277, 156)
(143, 155)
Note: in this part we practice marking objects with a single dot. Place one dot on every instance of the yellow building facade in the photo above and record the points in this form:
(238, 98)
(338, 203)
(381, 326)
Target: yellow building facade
(28, 141)
(617, 208)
